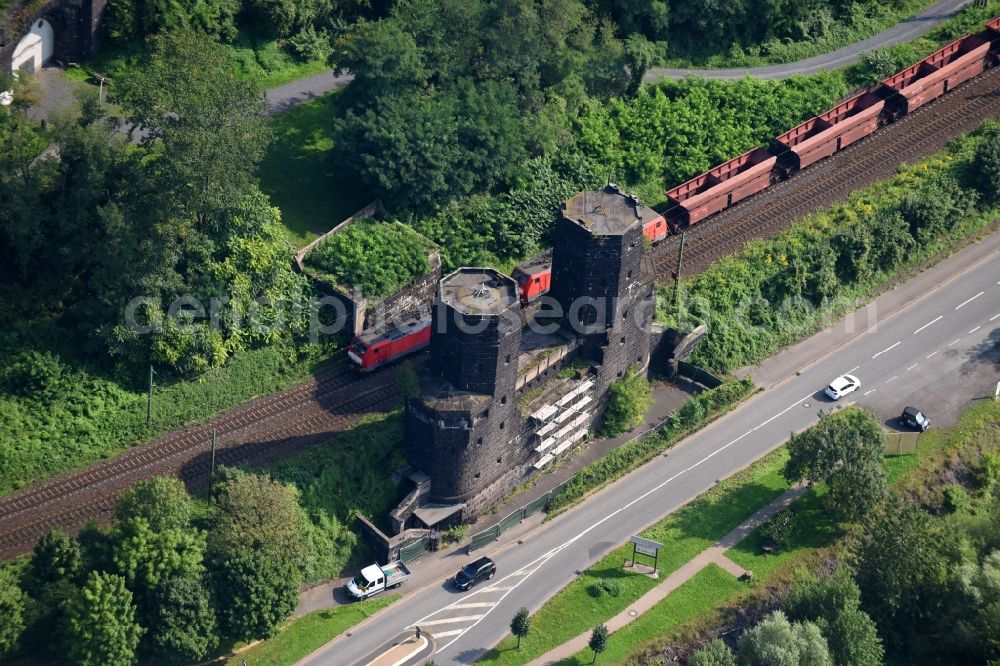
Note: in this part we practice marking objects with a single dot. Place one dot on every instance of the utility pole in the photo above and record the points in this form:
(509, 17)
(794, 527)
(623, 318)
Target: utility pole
(149, 399)
(677, 275)
(211, 475)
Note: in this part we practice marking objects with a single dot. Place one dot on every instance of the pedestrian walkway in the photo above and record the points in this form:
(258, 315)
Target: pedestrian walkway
(714, 554)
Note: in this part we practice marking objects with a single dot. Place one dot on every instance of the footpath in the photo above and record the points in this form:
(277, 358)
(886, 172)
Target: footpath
(716, 553)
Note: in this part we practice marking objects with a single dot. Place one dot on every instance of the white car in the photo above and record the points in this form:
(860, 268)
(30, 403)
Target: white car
(842, 385)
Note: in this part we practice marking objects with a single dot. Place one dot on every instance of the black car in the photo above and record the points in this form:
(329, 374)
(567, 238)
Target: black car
(482, 569)
(914, 418)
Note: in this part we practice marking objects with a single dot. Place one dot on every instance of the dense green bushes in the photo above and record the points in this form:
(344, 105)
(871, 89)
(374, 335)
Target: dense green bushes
(696, 412)
(675, 130)
(377, 257)
(628, 400)
(350, 473)
(775, 291)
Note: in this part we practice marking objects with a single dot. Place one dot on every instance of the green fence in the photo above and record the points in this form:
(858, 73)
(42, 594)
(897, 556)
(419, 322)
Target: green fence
(901, 443)
(491, 534)
(414, 550)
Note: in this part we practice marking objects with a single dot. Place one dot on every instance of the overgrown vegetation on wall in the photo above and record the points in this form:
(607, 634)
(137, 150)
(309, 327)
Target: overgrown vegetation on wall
(775, 291)
(377, 257)
(628, 400)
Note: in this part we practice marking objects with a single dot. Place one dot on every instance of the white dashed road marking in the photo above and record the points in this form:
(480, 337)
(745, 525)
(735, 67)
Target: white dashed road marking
(892, 379)
(932, 353)
(954, 342)
(867, 392)
(912, 366)
(975, 329)
(994, 317)
(970, 300)
(887, 349)
(928, 324)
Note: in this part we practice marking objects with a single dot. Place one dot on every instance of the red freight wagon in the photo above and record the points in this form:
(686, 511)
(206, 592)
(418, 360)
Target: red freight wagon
(655, 229)
(721, 187)
(533, 280)
(937, 73)
(372, 350)
(824, 135)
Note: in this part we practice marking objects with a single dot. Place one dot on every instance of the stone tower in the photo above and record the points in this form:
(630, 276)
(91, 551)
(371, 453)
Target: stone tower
(464, 429)
(602, 280)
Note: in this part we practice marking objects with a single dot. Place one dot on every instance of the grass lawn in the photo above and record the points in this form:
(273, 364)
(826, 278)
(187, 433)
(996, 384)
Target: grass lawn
(303, 635)
(708, 588)
(300, 175)
(577, 608)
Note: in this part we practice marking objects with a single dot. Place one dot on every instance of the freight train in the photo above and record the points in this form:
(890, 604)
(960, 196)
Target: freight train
(830, 132)
(748, 174)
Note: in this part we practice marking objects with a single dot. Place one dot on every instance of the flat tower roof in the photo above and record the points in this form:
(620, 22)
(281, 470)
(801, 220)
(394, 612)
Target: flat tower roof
(606, 211)
(478, 291)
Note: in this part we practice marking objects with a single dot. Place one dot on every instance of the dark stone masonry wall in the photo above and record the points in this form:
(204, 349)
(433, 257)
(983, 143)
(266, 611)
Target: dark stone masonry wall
(76, 25)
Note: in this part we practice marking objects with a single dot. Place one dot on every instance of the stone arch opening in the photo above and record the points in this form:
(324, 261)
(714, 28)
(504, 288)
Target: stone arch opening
(35, 48)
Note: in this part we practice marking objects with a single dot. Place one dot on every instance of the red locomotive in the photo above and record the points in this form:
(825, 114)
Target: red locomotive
(656, 229)
(830, 132)
(533, 279)
(372, 350)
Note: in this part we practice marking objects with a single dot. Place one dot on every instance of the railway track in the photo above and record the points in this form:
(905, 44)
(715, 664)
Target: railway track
(250, 434)
(830, 181)
(316, 410)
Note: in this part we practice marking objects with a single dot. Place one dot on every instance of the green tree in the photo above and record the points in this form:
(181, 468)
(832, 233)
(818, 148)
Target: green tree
(201, 122)
(845, 450)
(775, 641)
(629, 399)
(713, 653)
(11, 611)
(978, 588)
(55, 558)
(100, 623)
(598, 640)
(163, 502)
(254, 512)
(256, 553)
(520, 625)
(255, 591)
(985, 168)
(853, 638)
(833, 603)
(183, 629)
(903, 576)
(147, 558)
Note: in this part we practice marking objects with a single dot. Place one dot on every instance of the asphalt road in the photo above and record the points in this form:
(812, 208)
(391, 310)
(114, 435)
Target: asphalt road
(909, 29)
(940, 350)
